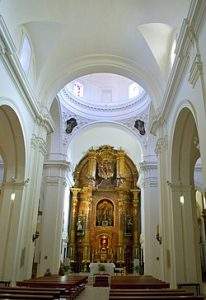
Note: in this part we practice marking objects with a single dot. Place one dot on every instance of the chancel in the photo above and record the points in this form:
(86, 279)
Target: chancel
(102, 149)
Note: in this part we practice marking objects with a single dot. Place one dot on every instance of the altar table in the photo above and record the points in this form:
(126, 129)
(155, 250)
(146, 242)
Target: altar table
(109, 268)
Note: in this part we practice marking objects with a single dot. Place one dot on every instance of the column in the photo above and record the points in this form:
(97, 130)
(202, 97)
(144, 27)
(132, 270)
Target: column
(150, 216)
(191, 235)
(120, 167)
(186, 264)
(72, 237)
(161, 151)
(136, 222)
(10, 228)
(54, 186)
(120, 252)
(92, 164)
(86, 197)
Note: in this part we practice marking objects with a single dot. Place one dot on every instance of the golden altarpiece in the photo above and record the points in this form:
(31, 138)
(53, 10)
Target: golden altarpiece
(105, 210)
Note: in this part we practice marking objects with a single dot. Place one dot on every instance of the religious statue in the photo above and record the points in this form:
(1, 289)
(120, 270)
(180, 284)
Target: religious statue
(70, 124)
(105, 169)
(80, 228)
(105, 213)
(129, 224)
(139, 125)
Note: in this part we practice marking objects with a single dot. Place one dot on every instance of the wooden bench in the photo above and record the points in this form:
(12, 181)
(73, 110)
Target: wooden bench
(137, 282)
(23, 296)
(53, 293)
(156, 297)
(72, 285)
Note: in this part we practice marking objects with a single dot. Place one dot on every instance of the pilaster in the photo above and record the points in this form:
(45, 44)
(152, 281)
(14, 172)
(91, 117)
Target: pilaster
(54, 185)
(150, 216)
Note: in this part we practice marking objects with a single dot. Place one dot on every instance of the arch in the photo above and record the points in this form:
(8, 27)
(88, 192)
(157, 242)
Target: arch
(12, 143)
(12, 147)
(86, 65)
(184, 154)
(125, 137)
(183, 149)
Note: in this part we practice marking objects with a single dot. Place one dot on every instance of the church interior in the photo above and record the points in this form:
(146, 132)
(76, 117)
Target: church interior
(102, 149)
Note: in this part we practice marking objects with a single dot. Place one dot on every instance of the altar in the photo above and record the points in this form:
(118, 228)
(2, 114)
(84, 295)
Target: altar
(109, 268)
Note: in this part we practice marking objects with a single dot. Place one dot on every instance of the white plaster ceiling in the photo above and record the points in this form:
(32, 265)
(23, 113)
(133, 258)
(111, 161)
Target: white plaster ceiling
(72, 38)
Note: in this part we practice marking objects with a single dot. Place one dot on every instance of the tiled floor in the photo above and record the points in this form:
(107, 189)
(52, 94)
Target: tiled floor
(94, 293)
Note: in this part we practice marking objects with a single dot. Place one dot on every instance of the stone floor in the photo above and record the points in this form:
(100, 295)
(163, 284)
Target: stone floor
(94, 293)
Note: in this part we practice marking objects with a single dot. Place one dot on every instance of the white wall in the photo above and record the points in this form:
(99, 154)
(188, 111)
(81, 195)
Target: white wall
(104, 134)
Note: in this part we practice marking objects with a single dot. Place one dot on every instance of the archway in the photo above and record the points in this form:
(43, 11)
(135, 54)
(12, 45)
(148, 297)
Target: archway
(12, 151)
(185, 152)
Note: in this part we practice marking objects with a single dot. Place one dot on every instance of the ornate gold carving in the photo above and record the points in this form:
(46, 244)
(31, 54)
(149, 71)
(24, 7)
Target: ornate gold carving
(105, 208)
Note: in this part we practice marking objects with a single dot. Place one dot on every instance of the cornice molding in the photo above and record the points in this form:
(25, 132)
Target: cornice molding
(148, 165)
(13, 183)
(12, 64)
(118, 111)
(179, 187)
(57, 163)
(195, 70)
(186, 39)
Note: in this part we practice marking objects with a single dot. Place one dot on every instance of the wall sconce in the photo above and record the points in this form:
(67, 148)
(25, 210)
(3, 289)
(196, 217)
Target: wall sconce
(35, 236)
(158, 237)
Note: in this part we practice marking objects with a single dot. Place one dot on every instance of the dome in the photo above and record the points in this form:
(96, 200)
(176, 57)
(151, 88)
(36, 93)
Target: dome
(104, 95)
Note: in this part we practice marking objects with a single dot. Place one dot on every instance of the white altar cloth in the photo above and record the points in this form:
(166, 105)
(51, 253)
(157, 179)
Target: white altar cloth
(109, 268)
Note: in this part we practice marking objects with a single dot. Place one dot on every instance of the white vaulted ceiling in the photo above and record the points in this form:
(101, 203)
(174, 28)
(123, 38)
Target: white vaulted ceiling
(73, 38)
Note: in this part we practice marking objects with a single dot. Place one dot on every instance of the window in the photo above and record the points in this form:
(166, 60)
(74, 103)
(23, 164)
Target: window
(25, 55)
(78, 89)
(172, 55)
(133, 90)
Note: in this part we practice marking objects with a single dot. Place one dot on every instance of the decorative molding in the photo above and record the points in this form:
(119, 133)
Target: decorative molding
(82, 122)
(14, 69)
(148, 174)
(100, 112)
(13, 183)
(161, 145)
(195, 70)
(39, 142)
(63, 164)
(179, 187)
(130, 103)
(148, 165)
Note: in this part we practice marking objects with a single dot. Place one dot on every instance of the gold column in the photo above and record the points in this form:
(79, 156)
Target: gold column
(75, 192)
(136, 222)
(92, 162)
(120, 253)
(120, 166)
(85, 207)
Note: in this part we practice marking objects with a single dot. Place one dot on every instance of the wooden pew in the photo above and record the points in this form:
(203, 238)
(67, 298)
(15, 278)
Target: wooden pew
(73, 285)
(54, 293)
(137, 282)
(24, 297)
(156, 297)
